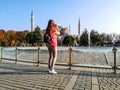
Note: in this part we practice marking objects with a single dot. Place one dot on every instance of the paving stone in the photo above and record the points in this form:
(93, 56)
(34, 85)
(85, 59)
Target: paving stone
(26, 77)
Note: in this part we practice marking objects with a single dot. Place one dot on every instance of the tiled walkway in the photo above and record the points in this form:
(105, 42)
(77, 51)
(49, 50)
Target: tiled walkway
(29, 77)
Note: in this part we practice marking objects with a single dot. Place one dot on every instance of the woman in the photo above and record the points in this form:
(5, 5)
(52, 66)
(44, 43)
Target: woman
(52, 47)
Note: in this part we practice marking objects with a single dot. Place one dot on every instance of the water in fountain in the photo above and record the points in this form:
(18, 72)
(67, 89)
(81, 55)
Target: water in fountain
(89, 39)
(80, 55)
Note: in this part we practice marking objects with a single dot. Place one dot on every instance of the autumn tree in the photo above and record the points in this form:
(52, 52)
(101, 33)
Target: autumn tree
(11, 37)
(20, 37)
(2, 36)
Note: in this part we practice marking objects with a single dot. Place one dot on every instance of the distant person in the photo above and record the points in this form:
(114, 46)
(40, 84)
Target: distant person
(52, 28)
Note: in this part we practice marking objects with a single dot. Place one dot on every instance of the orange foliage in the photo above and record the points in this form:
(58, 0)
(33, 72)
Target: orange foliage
(2, 35)
(11, 37)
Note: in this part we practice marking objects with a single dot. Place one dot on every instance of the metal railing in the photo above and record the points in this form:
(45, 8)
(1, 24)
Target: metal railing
(69, 56)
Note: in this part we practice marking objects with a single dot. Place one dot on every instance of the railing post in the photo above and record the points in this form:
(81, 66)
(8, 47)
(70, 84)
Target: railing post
(16, 55)
(38, 56)
(1, 53)
(114, 67)
(70, 51)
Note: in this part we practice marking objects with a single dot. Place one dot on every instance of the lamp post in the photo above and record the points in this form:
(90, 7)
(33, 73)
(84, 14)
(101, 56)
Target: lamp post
(114, 51)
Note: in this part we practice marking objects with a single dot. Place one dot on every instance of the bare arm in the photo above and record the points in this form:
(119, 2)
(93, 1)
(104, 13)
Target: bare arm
(57, 32)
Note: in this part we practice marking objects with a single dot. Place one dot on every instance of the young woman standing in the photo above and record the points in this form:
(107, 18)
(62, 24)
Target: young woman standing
(52, 28)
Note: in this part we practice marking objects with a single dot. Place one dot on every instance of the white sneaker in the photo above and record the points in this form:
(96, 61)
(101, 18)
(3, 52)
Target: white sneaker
(49, 70)
(52, 72)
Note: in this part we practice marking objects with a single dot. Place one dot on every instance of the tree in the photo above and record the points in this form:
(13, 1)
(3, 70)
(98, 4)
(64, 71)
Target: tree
(29, 38)
(37, 35)
(95, 37)
(11, 37)
(20, 37)
(84, 38)
(68, 40)
(2, 36)
(102, 39)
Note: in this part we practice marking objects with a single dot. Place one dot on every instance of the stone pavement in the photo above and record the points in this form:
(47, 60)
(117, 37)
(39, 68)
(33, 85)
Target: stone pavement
(30, 77)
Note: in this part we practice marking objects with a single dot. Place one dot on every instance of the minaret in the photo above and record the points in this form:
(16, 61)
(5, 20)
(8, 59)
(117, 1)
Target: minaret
(79, 27)
(69, 29)
(32, 21)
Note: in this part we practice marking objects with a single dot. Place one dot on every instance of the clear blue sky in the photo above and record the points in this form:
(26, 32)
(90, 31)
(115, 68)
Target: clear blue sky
(100, 15)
